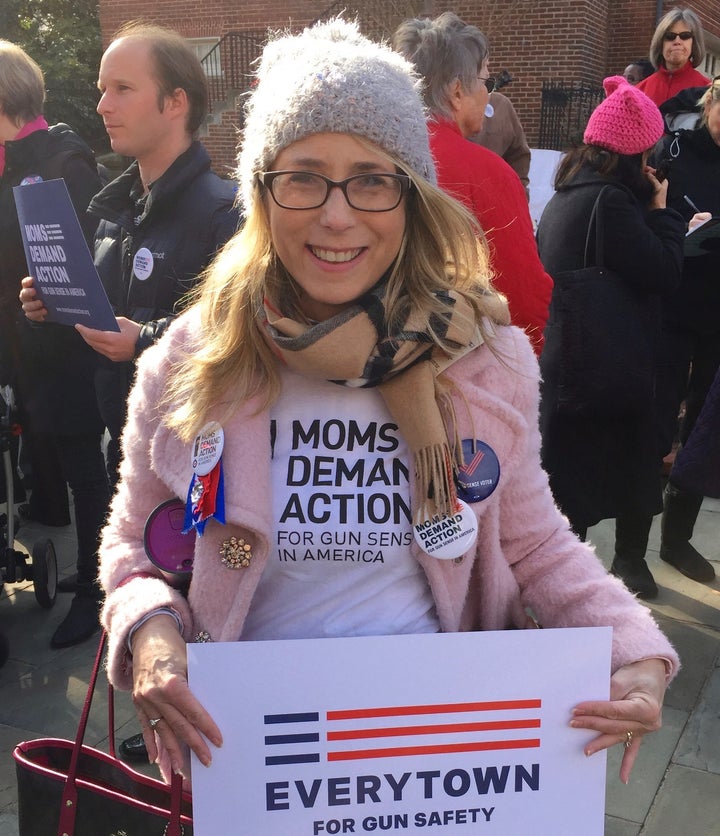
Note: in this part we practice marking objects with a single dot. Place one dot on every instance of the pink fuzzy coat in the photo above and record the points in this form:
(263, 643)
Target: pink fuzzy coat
(526, 559)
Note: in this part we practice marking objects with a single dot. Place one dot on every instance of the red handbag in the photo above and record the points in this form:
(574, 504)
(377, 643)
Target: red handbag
(68, 789)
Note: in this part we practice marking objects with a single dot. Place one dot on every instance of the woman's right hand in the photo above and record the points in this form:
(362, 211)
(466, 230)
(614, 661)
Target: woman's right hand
(660, 189)
(161, 692)
(32, 306)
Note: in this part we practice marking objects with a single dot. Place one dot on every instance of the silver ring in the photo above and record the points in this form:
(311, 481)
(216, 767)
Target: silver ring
(154, 723)
(627, 742)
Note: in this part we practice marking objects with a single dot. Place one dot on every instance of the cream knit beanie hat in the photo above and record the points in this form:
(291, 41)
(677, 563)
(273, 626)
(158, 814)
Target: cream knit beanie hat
(332, 79)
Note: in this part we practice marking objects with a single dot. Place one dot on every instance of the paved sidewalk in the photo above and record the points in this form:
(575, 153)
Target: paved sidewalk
(675, 788)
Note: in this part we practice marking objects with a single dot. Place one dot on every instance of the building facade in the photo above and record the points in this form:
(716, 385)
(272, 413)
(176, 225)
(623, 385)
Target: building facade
(568, 42)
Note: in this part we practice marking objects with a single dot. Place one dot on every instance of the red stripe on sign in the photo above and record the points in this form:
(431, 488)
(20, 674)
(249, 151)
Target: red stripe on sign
(450, 728)
(450, 708)
(450, 748)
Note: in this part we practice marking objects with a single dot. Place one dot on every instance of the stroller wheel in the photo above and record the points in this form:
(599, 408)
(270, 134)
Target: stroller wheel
(44, 573)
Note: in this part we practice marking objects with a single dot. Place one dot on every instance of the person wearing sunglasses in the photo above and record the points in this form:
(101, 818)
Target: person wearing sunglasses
(676, 49)
(452, 58)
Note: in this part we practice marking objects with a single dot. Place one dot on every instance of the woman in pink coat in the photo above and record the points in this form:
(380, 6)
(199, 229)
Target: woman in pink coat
(318, 405)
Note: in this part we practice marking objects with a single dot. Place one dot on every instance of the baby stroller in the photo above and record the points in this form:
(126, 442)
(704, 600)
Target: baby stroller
(14, 566)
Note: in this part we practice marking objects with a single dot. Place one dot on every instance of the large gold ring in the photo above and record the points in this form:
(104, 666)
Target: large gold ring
(628, 739)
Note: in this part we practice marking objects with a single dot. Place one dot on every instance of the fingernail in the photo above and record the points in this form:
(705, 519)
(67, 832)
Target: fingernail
(574, 723)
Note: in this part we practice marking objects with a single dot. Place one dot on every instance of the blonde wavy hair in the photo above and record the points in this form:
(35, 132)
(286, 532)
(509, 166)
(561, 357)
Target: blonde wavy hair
(710, 98)
(443, 248)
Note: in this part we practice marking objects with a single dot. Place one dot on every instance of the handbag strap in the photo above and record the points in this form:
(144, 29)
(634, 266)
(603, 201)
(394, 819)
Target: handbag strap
(596, 217)
(68, 805)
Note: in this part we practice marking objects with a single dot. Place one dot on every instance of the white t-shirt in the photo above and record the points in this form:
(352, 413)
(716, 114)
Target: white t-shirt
(340, 561)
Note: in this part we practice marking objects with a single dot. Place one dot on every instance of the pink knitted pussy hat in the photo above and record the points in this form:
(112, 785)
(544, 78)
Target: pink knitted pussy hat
(627, 122)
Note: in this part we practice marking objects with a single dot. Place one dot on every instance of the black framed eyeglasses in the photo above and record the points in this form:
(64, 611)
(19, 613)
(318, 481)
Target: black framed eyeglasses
(371, 192)
(684, 36)
(488, 81)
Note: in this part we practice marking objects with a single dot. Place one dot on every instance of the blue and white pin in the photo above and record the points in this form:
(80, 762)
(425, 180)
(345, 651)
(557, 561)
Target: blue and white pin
(480, 473)
(448, 536)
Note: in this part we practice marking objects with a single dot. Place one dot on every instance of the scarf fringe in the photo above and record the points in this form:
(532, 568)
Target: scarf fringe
(443, 398)
(435, 492)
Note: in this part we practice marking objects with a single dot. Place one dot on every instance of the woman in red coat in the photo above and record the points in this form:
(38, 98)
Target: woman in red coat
(677, 47)
(452, 58)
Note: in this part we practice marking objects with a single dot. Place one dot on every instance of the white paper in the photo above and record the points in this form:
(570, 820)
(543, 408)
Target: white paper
(471, 736)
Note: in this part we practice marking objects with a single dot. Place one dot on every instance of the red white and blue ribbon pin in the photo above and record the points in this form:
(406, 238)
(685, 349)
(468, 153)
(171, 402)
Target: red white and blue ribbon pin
(206, 494)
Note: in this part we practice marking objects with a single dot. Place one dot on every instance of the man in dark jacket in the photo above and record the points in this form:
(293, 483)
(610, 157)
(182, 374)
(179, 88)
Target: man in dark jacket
(50, 366)
(162, 220)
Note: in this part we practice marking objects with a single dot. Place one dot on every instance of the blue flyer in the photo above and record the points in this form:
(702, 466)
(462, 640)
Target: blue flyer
(58, 257)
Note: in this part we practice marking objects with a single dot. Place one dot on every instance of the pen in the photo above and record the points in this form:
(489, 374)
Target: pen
(691, 204)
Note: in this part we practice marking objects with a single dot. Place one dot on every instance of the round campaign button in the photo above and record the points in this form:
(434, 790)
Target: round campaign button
(207, 448)
(480, 474)
(449, 536)
(143, 264)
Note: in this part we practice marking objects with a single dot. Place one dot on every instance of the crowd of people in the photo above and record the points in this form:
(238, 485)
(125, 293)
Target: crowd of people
(373, 267)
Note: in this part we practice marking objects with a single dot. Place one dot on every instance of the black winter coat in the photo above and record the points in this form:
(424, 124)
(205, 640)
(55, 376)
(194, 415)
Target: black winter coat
(50, 365)
(694, 170)
(600, 466)
(186, 218)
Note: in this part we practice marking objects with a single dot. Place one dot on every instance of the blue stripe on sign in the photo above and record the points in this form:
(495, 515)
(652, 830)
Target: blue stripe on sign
(308, 717)
(283, 759)
(275, 739)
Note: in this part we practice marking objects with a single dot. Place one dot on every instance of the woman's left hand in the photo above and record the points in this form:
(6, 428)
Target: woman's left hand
(634, 710)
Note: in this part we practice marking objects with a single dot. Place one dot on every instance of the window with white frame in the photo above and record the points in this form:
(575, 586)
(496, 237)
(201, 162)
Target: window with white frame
(204, 48)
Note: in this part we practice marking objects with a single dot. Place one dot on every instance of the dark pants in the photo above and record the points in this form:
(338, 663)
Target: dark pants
(686, 367)
(83, 466)
(112, 385)
(687, 364)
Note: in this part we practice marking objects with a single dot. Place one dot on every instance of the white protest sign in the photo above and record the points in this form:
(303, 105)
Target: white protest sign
(441, 733)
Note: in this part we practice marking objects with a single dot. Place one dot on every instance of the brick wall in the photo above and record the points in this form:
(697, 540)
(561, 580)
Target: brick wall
(563, 41)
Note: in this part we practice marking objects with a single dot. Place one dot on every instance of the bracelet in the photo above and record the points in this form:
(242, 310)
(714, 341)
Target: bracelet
(147, 617)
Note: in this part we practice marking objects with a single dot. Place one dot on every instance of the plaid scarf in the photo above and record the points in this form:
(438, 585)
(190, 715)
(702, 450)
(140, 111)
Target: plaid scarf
(356, 348)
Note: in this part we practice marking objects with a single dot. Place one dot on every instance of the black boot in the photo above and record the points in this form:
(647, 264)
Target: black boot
(81, 622)
(678, 521)
(631, 538)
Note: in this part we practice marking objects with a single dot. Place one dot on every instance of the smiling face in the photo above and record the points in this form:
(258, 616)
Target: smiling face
(334, 253)
(676, 53)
